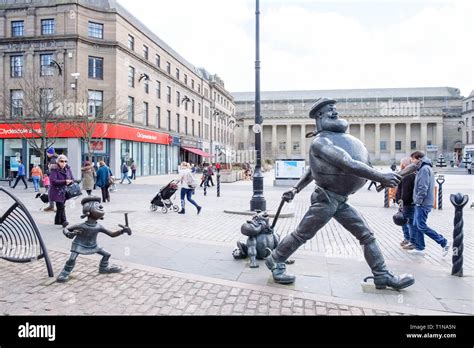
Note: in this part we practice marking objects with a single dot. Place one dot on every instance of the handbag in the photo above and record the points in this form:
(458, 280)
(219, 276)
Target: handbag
(73, 190)
(399, 218)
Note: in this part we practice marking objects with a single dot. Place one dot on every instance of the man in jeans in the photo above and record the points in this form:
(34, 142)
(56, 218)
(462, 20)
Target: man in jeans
(423, 197)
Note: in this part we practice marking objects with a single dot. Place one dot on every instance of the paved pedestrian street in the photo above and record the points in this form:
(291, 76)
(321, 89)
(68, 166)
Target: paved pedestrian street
(183, 265)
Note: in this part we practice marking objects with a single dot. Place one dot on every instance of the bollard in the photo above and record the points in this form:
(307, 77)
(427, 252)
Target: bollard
(205, 188)
(459, 201)
(218, 184)
(440, 180)
(386, 203)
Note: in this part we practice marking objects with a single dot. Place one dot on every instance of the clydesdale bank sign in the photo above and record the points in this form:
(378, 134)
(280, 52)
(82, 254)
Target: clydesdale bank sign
(67, 130)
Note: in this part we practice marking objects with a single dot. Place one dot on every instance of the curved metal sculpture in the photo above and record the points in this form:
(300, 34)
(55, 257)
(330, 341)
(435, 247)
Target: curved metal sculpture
(20, 238)
(459, 201)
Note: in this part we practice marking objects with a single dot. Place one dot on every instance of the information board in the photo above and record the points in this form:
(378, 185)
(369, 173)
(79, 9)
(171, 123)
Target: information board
(289, 169)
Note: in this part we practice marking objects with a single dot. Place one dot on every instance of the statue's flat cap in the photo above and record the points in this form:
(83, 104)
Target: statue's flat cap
(320, 103)
(90, 199)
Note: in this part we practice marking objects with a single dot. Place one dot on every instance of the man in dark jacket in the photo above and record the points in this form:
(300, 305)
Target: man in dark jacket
(405, 196)
(423, 197)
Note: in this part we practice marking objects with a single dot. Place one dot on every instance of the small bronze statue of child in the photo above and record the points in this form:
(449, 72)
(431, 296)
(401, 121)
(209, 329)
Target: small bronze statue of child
(85, 238)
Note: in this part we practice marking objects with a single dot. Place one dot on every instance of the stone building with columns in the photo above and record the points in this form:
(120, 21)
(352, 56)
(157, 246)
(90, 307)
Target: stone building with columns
(467, 125)
(392, 122)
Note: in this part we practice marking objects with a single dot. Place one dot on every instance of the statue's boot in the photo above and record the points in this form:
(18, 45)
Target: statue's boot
(383, 278)
(279, 271)
(63, 277)
(110, 269)
(241, 252)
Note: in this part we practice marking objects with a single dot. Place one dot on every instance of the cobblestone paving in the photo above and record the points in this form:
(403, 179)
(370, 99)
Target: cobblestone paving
(24, 291)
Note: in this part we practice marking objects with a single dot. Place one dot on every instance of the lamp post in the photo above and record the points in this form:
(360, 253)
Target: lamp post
(258, 200)
(75, 87)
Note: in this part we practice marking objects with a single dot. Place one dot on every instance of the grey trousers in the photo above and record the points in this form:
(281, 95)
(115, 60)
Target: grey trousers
(326, 205)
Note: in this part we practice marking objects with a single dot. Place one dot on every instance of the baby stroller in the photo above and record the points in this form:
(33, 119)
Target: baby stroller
(163, 198)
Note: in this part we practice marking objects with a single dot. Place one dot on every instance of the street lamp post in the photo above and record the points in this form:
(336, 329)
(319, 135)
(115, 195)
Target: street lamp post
(258, 200)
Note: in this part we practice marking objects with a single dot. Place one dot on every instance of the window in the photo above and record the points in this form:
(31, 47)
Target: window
(96, 30)
(177, 73)
(158, 89)
(177, 122)
(16, 64)
(185, 79)
(192, 127)
(296, 147)
(131, 109)
(96, 68)
(145, 52)
(192, 83)
(168, 95)
(185, 125)
(240, 146)
(199, 129)
(158, 60)
(131, 76)
(46, 102)
(383, 145)
(413, 145)
(95, 103)
(169, 119)
(47, 27)
(131, 42)
(18, 28)
(45, 65)
(186, 104)
(206, 131)
(192, 106)
(146, 85)
(282, 145)
(398, 145)
(178, 96)
(199, 109)
(16, 103)
(428, 142)
(168, 67)
(158, 117)
(145, 113)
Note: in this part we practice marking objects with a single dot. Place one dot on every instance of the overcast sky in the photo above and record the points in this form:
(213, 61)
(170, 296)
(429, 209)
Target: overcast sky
(311, 44)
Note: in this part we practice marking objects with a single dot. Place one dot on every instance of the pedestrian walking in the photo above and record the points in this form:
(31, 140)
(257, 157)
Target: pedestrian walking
(405, 195)
(188, 184)
(36, 176)
(205, 176)
(52, 159)
(46, 182)
(125, 173)
(423, 197)
(21, 175)
(218, 167)
(469, 168)
(103, 180)
(60, 177)
(210, 174)
(88, 177)
(133, 168)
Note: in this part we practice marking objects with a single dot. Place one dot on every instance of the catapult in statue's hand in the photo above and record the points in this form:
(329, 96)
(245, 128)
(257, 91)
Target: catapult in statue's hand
(289, 195)
(126, 229)
(390, 179)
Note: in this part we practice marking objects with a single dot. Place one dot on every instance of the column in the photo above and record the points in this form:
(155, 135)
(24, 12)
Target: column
(392, 141)
(288, 141)
(439, 136)
(408, 139)
(246, 135)
(303, 141)
(423, 136)
(274, 141)
(377, 141)
(362, 132)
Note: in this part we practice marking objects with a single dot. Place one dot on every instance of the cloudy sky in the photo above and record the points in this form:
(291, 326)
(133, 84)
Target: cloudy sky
(314, 44)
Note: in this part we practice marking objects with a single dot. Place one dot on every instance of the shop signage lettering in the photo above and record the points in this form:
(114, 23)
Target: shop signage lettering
(146, 136)
(19, 131)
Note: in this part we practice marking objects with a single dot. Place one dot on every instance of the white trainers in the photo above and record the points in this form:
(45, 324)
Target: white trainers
(446, 249)
(416, 252)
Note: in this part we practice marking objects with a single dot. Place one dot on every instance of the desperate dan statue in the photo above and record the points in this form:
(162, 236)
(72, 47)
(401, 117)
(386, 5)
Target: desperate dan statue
(339, 164)
(85, 241)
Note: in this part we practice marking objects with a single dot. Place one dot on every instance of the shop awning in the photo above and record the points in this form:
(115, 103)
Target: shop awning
(197, 151)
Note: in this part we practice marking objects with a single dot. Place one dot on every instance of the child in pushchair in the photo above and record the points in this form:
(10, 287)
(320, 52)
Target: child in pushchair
(163, 198)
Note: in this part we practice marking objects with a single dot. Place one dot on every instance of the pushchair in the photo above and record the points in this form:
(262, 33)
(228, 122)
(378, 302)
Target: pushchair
(164, 197)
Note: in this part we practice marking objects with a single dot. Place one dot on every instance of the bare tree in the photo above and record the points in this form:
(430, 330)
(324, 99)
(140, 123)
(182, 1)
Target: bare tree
(34, 107)
(95, 117)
